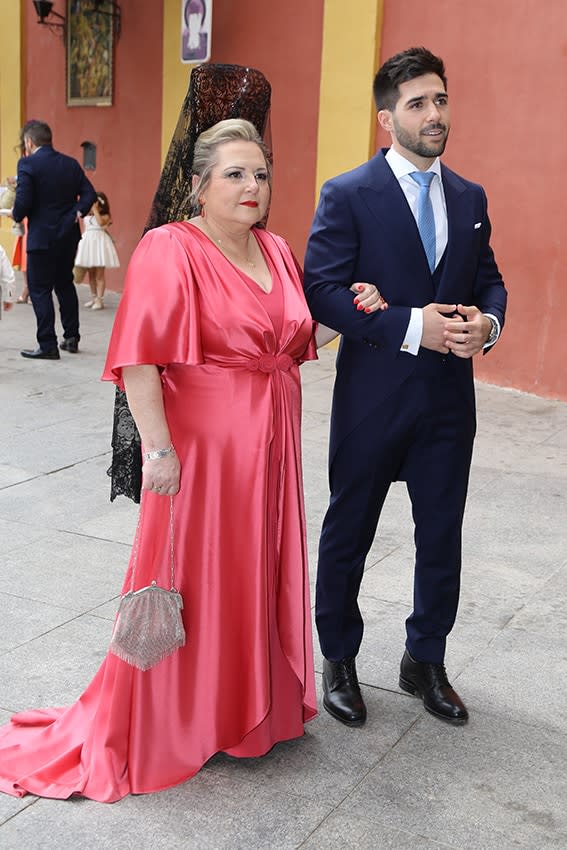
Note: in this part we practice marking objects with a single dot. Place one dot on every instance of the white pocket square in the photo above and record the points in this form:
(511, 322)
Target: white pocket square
(477, 225)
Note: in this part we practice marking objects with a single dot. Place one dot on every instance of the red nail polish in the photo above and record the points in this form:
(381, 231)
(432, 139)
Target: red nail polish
(360, 307)
(367, 310)
(355, 301)
(360, 287)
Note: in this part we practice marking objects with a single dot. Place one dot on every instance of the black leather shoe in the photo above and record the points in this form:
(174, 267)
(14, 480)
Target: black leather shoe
(39, 354)
(341, 692)
(429, 681)
(71, 345)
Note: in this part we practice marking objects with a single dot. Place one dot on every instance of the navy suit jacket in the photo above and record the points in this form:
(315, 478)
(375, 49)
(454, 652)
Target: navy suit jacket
(51, 189)
(364, 230)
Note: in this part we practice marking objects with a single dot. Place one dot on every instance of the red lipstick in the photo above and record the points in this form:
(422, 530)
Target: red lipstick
(249, 204)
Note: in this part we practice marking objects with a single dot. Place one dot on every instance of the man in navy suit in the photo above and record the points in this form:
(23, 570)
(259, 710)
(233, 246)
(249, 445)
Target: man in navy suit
(403, 404)
(52, 192)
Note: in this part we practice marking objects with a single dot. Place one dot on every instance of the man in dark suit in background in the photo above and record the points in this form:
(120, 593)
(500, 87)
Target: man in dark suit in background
(52, 192)
(403, 405)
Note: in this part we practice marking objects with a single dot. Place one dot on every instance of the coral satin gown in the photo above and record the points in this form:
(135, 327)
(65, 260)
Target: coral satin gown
(244, 681)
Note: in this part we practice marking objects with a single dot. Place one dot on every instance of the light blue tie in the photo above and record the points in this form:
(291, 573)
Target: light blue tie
(425, 217)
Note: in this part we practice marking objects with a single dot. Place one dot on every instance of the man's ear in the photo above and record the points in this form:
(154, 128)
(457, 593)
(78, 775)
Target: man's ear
(385, 120)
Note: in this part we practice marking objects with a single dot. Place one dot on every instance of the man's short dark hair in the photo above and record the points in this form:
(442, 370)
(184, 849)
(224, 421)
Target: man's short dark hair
(38, 131)
(404, 66)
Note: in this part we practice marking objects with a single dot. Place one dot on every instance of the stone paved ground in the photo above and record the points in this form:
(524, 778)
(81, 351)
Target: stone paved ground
(405, 780)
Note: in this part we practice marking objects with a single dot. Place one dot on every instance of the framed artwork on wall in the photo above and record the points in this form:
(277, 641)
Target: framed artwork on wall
(196, 26)
(90, 46)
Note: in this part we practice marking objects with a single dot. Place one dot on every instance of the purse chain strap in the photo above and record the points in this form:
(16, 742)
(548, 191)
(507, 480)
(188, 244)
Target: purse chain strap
(137, 543)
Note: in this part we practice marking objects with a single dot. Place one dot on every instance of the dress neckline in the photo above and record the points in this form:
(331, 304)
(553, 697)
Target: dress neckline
(237, 268)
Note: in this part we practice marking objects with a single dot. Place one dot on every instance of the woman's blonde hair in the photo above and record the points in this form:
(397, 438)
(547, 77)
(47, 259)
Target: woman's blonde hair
(207, 144)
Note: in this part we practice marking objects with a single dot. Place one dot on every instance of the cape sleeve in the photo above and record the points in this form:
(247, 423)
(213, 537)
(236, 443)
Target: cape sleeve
(157, 321)
(295, 273)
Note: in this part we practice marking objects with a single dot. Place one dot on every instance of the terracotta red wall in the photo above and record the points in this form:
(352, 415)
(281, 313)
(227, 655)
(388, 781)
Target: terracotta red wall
(127, 134)
(283, 40)
(506, 62)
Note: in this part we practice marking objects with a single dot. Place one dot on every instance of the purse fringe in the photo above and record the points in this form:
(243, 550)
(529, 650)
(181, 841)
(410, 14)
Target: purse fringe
(143, 665)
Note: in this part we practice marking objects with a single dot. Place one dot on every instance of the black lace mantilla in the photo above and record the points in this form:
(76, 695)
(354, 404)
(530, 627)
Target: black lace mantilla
(215, 92)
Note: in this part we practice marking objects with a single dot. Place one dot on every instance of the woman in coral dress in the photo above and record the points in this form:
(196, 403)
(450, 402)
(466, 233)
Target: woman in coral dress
(208, 338)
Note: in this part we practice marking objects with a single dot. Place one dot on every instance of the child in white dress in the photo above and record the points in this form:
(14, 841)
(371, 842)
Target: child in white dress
(96, 251)
(7, 281)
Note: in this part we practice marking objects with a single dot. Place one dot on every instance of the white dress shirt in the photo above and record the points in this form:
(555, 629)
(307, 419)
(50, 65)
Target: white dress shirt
(402, 169)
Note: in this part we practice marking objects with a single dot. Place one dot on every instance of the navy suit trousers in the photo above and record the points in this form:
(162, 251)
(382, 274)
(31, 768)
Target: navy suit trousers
(422, 434)
(52, 271)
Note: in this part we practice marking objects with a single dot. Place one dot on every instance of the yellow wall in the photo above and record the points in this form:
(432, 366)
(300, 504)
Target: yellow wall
(175, 73)
(347, 118)
(10, 99)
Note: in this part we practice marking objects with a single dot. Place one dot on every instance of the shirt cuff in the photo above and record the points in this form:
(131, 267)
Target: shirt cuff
(414, 332)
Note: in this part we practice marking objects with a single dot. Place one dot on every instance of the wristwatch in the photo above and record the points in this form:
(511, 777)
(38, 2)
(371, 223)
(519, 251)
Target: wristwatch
(493, 335)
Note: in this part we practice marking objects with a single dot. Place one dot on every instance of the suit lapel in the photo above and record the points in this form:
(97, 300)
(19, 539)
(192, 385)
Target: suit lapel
(387, 203)
(460, 228)
(383, 197)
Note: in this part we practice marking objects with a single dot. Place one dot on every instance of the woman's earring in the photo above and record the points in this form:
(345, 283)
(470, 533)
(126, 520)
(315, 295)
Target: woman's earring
(202, 208)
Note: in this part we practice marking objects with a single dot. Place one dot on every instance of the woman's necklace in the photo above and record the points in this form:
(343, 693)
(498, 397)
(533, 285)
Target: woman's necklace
(226, 250)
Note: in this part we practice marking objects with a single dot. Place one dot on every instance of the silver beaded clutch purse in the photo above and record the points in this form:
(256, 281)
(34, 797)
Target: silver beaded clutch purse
(149, 625)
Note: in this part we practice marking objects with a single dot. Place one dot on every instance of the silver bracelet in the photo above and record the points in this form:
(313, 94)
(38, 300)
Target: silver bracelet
(159, 453)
